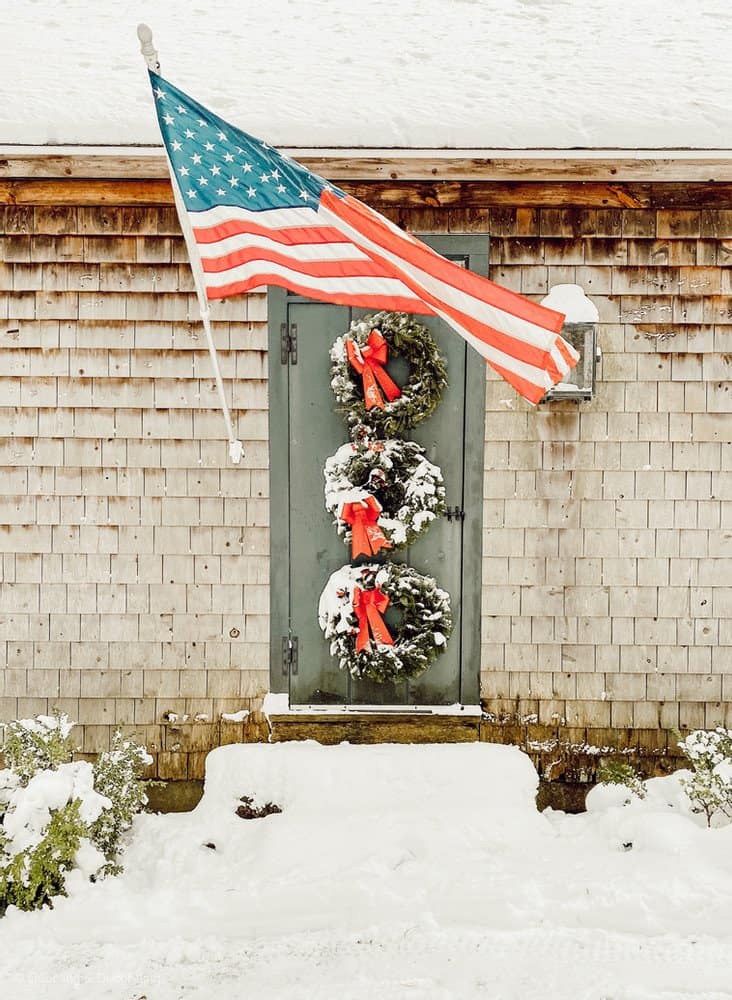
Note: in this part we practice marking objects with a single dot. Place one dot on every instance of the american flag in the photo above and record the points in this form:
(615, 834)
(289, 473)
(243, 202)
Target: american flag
(259, 218)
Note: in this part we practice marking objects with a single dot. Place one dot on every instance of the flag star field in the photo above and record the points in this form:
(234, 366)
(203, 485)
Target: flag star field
(217, 164)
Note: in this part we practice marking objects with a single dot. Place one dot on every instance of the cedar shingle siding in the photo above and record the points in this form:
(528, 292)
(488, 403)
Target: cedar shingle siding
(608, 525)
(135, 568)
(135, 557)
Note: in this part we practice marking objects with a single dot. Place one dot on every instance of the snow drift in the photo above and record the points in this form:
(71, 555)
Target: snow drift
(419, 871)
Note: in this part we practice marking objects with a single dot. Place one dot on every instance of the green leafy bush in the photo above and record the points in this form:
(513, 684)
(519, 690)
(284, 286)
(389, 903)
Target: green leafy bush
(32, 877)
(619, 772)
(59, 816)
(117, 774)
(39, 744)
(709, 787)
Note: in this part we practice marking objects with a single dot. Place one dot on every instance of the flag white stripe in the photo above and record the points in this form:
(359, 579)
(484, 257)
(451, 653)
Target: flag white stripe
(492, 316)
(271, 218)
(357, 286)
(547, 338)
(531, 373)
(298, 251)
(559, 359)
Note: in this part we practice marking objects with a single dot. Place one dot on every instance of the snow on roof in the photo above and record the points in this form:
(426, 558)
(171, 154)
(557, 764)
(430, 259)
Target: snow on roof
(388, 73)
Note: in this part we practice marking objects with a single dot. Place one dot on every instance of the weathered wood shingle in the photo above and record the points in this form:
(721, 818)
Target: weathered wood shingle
(131, 586)
(134, 557)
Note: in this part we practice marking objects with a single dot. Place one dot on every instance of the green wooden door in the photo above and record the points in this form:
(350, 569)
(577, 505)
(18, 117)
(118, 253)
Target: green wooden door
(304, 431)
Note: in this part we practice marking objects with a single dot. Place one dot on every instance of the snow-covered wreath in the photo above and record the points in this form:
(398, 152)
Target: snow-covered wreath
(382, 494)
(364, 390)
(350, 615)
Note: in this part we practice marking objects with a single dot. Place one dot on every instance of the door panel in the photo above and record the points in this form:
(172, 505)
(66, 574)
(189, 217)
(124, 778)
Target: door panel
(316, 550)
(313, 549)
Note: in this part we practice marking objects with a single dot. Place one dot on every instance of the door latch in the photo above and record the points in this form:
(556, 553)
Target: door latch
(289, 655)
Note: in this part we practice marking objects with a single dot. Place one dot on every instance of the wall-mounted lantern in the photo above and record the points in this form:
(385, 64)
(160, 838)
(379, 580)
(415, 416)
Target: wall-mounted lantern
(580, 329)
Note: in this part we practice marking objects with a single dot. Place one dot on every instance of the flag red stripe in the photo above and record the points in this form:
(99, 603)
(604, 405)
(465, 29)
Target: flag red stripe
(534, 393)
(561, 345)
(504, 342)
(292, 235)
(396, 302)
(421, 256)
(343, 268)
(507, 343)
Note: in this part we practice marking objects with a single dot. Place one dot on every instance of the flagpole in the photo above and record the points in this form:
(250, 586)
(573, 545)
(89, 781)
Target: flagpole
(236, 449)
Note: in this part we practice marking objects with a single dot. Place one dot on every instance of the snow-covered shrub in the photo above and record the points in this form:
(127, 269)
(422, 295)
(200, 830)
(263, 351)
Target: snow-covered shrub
(58, 815)
(709, 786)
(117, 774)
(33, 745)
(46, 832)
(618, 772)
(31, 877)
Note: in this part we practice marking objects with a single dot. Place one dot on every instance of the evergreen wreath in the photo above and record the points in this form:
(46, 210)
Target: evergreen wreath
(408, 489)
(350, 611)
(416, 400)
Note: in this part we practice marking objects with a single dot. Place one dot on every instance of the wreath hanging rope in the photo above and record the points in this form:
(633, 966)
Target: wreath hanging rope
(382, 494)
(350, 615)
(364, 390)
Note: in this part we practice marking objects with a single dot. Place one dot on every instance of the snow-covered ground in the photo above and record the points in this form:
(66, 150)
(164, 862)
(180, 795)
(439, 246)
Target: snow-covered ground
(433, 73)
(392, 872)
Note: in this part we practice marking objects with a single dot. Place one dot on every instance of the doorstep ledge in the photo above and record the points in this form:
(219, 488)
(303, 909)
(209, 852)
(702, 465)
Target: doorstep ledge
(457, 710)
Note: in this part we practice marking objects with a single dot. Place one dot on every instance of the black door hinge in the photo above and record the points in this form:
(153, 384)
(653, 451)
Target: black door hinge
(289, 655)
(455, 513)
(288, 343)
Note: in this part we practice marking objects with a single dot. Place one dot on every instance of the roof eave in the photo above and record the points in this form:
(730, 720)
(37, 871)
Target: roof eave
(384, 164)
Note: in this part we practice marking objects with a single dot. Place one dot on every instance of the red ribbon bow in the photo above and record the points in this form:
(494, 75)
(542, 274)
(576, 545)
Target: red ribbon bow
(366, 536)
(368, 362)
(368, 606)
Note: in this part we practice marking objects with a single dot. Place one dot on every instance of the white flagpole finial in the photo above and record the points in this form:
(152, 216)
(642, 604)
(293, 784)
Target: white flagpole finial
(144, 33)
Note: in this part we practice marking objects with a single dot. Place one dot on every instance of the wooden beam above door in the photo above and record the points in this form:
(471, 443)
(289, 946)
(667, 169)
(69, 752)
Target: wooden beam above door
(385, 195)
(400, 165)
